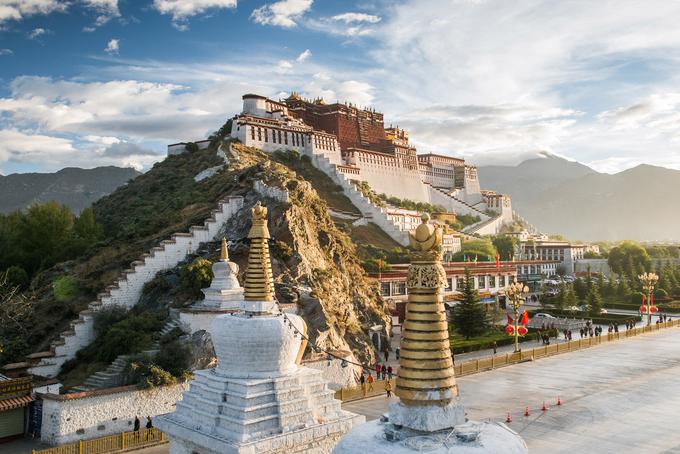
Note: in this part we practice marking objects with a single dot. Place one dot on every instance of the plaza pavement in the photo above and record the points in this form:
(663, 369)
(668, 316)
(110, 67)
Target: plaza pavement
(618, 397)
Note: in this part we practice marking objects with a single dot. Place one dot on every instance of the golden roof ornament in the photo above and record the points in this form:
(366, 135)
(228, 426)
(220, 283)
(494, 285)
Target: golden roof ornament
(224, 251)
(259, 285)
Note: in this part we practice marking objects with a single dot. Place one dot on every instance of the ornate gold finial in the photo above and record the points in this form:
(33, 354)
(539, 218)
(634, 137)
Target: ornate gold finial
(426, 376)
(224, 251)
(259, 284)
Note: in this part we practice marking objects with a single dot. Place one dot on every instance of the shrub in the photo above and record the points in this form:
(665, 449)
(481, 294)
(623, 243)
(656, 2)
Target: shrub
(636, 298)
(131, 335)
(64, 288)
(174, 358)
(196, 275)
(17, 277)
(108, 317)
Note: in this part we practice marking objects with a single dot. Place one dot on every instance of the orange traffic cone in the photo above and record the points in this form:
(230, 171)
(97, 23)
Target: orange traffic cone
(543, 407)
(526, 411)
(558, 401)
(508, 419)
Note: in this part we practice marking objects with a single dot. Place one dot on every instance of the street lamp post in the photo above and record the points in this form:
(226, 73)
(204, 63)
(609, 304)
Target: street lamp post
(648, 281)
(516, 293)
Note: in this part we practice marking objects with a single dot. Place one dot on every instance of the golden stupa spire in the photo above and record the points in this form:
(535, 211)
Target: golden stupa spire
(224, 252)
(259, 284)
(426, 375)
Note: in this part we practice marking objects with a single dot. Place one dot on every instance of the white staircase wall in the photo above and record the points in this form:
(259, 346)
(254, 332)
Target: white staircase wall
(125, 292)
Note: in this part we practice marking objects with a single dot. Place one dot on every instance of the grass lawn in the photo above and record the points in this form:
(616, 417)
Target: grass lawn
(461, 345)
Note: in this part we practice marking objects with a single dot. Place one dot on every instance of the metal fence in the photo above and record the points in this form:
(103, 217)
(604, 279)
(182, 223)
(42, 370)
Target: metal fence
(496, 361)
(112, 443)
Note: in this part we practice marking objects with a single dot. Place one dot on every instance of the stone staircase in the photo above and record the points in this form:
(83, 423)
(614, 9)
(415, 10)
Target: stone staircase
(126, 290)
(470, 208)
(114, 375)
(369, 211)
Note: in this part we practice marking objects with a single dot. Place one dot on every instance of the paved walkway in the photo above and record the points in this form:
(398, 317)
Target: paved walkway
(617, 397)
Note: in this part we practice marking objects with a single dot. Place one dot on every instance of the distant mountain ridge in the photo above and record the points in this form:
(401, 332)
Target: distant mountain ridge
(75, 187)
(561, 196)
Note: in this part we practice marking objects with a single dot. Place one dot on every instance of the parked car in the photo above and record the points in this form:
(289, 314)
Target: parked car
(542, 315)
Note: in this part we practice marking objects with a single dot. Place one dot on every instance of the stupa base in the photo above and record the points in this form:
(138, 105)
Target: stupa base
(429, 418)
(380, 437)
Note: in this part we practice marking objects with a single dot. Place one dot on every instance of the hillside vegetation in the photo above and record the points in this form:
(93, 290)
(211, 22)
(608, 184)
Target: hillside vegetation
(315, 263)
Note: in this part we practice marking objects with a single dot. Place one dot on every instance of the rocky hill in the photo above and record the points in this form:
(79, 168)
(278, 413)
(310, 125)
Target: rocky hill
(569, 198)
(315, 263)
(74, 187)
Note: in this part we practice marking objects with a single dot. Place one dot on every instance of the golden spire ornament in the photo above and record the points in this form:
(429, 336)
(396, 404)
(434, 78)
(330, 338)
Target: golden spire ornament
(224, 251)
(426, 378)
(259, 284)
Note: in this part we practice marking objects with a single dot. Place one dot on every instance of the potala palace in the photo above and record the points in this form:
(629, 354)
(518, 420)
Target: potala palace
(352, 144)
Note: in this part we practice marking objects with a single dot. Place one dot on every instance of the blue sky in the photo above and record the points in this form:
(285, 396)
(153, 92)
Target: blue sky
(111, 82)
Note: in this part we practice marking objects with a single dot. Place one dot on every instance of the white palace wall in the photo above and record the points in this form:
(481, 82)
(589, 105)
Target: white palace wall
(125, 292)
(71, 417)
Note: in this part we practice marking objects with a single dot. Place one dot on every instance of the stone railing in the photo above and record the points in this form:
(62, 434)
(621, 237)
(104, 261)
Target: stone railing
(494, 362)
(127, 289)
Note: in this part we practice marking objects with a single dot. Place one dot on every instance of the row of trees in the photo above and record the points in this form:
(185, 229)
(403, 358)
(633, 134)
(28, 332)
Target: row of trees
(44, 234)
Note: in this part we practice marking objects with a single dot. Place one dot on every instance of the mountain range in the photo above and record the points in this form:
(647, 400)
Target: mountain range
(77, 188)
(569, 198)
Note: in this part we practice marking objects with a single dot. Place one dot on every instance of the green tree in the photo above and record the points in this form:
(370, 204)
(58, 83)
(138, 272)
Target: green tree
(505, 245)
(581, 288)
(594, 301)
(560, 299)
(46, 232)
(482, 249)
(86, 227)
(623, 288)
(469, 317)
(570, 299)
(627, 258)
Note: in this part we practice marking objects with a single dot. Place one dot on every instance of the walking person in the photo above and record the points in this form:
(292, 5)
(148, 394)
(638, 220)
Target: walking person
(369, 380)
(362, 381)
(384, 371)
(495, 347)
(388, 389)
(377, 370)
(137, 424)
(389, 372)
(397, 351)
(387, 355)
(149, 426)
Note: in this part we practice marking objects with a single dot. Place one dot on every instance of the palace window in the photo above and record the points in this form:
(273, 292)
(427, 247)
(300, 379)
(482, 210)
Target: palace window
(460, 283)
(266, 135)
(285, 137)
(385, 288)
(492, 281)
(252, 132)
(259, 134)
(274, 135)
(399, 288)
(279, 136)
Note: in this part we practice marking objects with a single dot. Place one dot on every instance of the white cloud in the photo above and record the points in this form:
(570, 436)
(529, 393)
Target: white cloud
(284, 66)
(113, 46)
(304, 56)
(16, 145)
(350, 18)
(105, 9)
(183, 9)
(21, 9)
(283, 13)
(6, 52)
(37, 33)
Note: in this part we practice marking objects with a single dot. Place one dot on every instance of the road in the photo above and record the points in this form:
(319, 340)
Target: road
(617, 397)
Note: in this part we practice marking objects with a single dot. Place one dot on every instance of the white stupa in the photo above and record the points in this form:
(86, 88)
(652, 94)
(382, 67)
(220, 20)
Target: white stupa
(429, 416)
(224, 295)
(258, 399)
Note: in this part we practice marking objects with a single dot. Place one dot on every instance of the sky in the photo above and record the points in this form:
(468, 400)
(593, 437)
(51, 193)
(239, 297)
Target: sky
(87, 83)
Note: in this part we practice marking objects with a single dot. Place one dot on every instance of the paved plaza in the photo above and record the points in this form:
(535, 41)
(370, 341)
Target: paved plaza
(619, 397)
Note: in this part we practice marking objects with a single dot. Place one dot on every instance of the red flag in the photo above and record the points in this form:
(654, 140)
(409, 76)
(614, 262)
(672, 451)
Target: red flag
(644, 299)
(525, 318)
(498, 261)
(509, 320)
